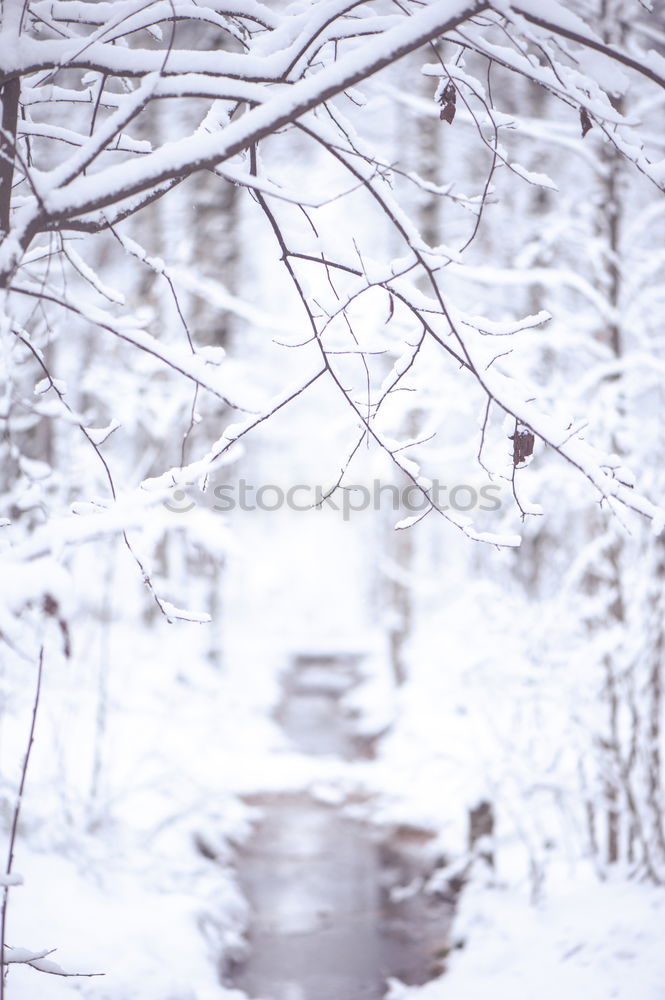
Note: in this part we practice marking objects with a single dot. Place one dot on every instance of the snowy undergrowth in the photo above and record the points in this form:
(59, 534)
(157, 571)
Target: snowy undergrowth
(470, 725)
(114, 877)
(134, 806)
(585, 939)
(152, 936)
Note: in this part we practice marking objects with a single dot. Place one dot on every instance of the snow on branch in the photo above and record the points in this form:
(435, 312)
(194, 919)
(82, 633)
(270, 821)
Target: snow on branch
(40, 961)
(199, 152)
(80, 154)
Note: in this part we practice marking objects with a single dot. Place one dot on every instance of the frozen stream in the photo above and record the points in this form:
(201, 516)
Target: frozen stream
(336, 903)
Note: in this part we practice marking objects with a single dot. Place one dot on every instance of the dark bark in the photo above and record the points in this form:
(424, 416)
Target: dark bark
(10, 99)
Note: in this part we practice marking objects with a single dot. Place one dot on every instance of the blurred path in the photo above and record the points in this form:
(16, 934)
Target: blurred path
(337, 907)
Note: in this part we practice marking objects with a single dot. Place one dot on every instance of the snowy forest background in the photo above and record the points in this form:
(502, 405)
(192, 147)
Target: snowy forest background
(345, 247)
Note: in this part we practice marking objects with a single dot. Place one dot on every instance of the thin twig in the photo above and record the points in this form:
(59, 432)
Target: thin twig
(14, 828)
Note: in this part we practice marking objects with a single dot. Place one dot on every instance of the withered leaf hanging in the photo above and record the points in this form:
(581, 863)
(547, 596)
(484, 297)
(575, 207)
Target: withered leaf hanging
(448, 103)
(523, 441)
(585, 121)
(449, 94)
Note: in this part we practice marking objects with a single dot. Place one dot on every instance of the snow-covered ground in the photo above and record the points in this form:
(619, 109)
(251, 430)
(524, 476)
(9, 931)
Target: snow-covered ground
(585, 940)
(131, 895)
